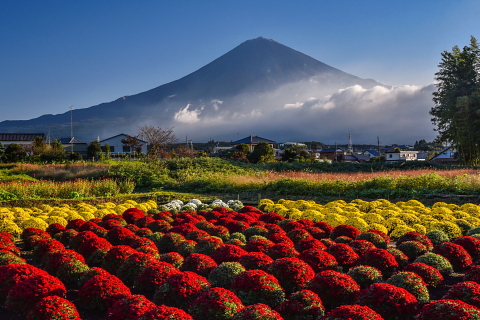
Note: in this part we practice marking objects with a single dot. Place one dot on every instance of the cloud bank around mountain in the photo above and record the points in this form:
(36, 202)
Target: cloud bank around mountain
(302, 112)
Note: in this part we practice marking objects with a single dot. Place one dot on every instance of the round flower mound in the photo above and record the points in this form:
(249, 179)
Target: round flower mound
(412, 249)
(456, 254)
(174, 258)
(25, 294)
(334, 288)
(299, 234)
(11, 274)
(52, 308)
(349, 312)
(8, 257)
(258, 244)
(223, 275)
(411, 282)
(415, 236)
(437, 237)
(67, 236)
(81, 237)
(180, 289)
(468, 292)
(473, 274)
(90, 273)
(309, 244)
(228, 253)
(344, 254)
(437, 261)
(70, 271)
(28, 234)
(302, 305)
(74, 224)
(401, 258)
(53, 260)
(380, 259)
(116, 256)
(101, 292)
(132, 215)
(215, 304)
(43, 246)
(374, 238)
(280, 237)
(258, 311)
(132, 308)
(117, 235)
(292, 273)
(282, 250)
(55, 228)
(133, 265)
(361, 246)
(89, 246)
(471, 244)
(319, 260)
(430, 275)
(208, 245)
(163, 312)
(199, 263)
(344, 230)
(365, 276)
(256, 260)
(316, 232)
(153, 275)
(391, 302)
(448, 310)
(258, 286)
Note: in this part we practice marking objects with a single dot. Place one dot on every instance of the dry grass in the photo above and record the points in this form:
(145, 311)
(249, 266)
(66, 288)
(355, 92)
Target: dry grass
(351, 177)
(61, 172)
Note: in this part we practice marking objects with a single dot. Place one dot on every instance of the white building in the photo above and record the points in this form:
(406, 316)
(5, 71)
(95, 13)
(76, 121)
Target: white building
(408, 155)
(118, 147)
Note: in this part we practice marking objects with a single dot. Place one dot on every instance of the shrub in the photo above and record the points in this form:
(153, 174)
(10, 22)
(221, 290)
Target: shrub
(258, 244)
(199, 263)
(132, 307)
(355, 311)
(169, 242)
(180, 289)
(53, 307)
(131, 215)
(430, 275)
(100, 292)
(309, 244)
(223, 275)
(471, 244)
(258, 311)
(8, 257)
(70, 271)
(389, 301)
(344, 230)
(174, 258)
(131, 267)
(258, 286)
(116, 256)
(41, 247)
(468, 292)
(365, 275)
(437, 237)
(361, 246)
(380, 259)
(411, 282)
(208, 245)
(89, 246)
(292, 273)
(55, 228)
(153, 275)
(448, 310)
(455, 254)
(344, 254)
(255, 260)
(401, 258)
(334, 288)
(228, 253)
(282, 250)
(24, 295)
(11, 274)
(416, 236)
(279, 237)
(373, 237)
(90, 273)
(215, 304)
(302, 305)
(163, 312)
(412, 249)
(437, 261)
(319, 260)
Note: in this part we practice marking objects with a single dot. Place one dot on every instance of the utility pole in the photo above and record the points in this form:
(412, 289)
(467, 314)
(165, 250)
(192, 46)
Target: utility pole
(71, 128)
(378, 146)
(350, 145)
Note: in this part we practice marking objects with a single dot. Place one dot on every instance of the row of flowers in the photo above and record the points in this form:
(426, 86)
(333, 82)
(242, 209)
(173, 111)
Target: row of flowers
(244, 264)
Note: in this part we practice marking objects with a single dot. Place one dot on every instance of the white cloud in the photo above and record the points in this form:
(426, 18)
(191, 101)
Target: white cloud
(187, 116)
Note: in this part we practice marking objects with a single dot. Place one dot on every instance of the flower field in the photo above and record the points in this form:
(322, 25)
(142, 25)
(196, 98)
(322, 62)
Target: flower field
(287, 260)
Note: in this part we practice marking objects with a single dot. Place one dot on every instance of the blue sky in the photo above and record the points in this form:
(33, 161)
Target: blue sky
(60, 53)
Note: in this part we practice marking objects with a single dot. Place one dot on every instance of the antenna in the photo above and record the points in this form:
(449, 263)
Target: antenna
(71, 128)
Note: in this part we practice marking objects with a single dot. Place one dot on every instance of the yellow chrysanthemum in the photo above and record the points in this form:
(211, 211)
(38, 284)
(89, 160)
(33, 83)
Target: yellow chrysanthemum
(86, 215)
(408, 218)
(388, 213)
(379, 227)
(11, 227)
(56, 219)
(392, 223)
(373, 218)
(420, 228)
(74, 216)
(414, 203)
(451, 229)
(358, 223)
(460, 214)
(334, 219)
(34, 223)
(441, 210)
(399, 231)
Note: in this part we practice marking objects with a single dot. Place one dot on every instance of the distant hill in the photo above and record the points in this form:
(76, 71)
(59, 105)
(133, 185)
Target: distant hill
(251, 80)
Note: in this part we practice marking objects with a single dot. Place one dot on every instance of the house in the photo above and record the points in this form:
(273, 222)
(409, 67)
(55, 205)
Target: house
(118, 147)
(408, 155)
(447, 155)
(74, 145)
(293, 145)
(356, 158)
(252, 141)
(335, 155)
(371, 153)
(24, 139)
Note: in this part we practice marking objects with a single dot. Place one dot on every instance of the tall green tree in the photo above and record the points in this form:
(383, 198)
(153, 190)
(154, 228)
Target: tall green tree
(15, 153)
(456, 113)
(263, 152)
(94, 149)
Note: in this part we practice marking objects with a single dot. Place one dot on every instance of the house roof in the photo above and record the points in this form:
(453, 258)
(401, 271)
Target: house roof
(373, 152)
(20, 136)
(121, 134)
(252, 139)
(72, 140)
(330, 150)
